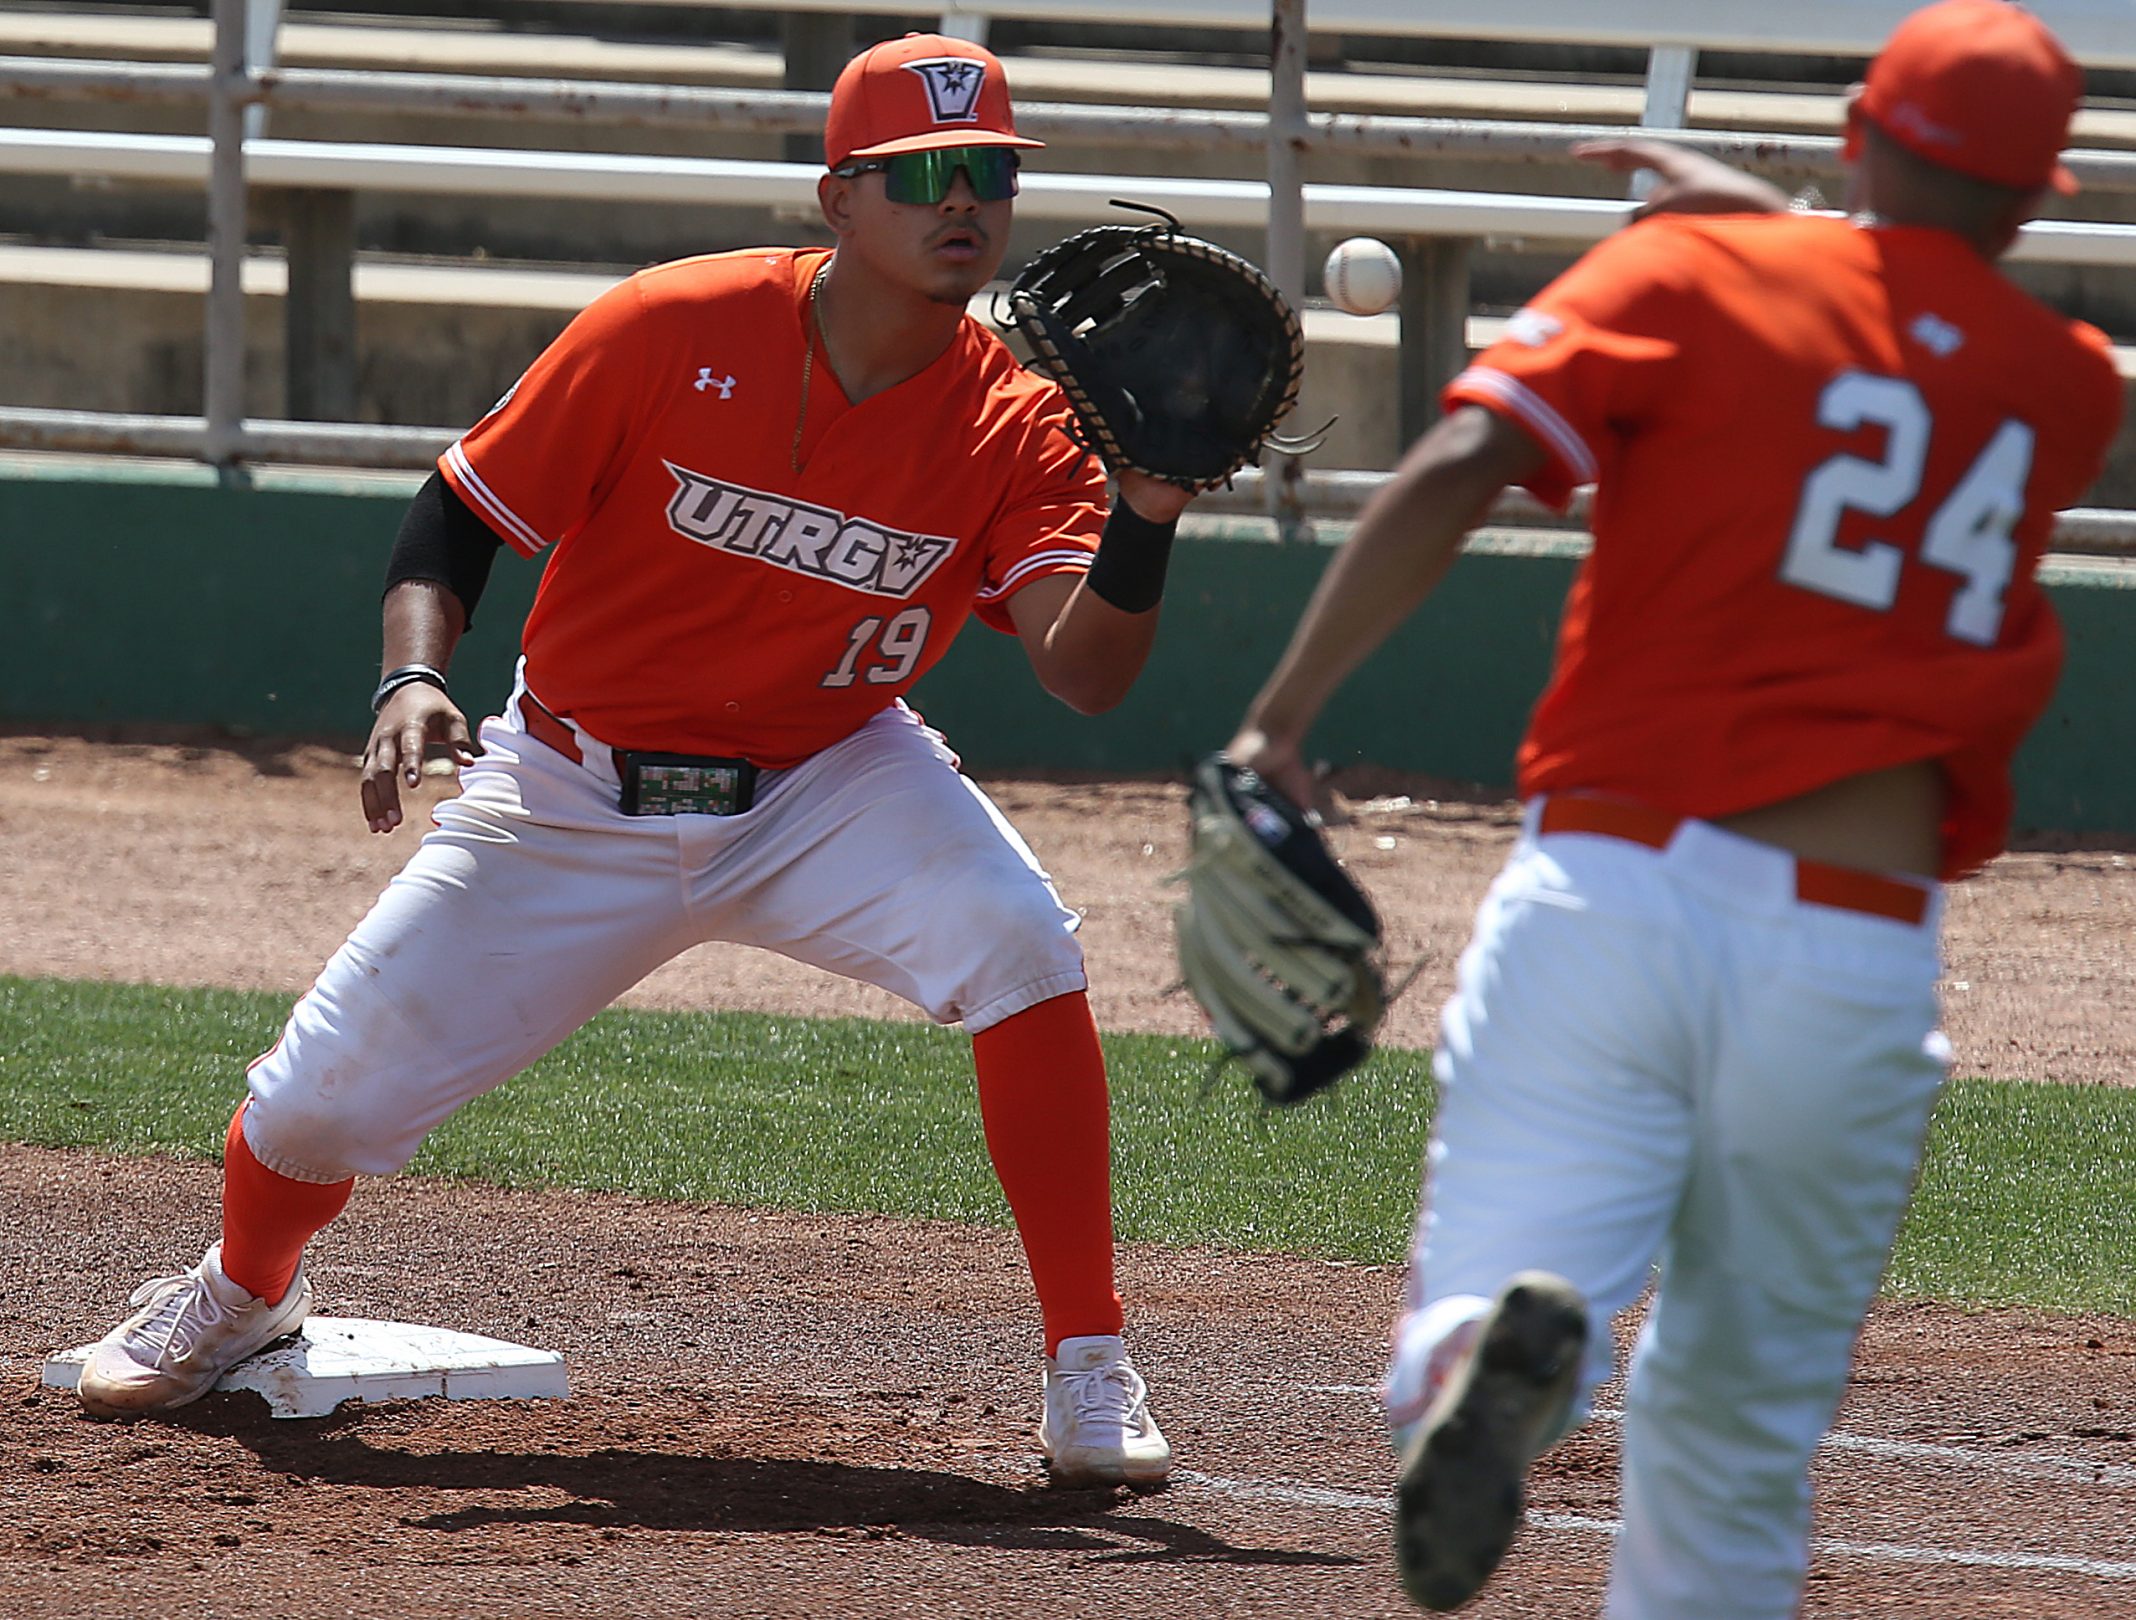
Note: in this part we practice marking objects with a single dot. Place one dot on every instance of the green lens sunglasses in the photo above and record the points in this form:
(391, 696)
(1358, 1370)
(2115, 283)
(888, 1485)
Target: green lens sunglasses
(925, 177)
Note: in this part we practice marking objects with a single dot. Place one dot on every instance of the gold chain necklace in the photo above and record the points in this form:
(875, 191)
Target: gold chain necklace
(811, 330)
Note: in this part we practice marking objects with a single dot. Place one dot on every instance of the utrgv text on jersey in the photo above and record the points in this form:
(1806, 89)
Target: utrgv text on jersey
(811, 540)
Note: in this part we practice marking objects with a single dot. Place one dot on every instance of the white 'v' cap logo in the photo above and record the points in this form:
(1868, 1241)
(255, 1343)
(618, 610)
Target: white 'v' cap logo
(953, 84)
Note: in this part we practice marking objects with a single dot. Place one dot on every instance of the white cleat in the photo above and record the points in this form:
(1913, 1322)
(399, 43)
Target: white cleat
(1462, 1492)
(1097, 1428)
(189, 1331)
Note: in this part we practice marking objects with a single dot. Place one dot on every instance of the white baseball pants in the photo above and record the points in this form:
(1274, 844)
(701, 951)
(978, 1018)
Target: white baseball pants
(1665, 1055)
(535, 902)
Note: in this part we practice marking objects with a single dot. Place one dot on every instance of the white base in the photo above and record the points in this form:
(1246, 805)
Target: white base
(346, 1358)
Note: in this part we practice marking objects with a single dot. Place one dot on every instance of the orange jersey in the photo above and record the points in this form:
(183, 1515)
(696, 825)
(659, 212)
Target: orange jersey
(703, 596)
(1828, 459)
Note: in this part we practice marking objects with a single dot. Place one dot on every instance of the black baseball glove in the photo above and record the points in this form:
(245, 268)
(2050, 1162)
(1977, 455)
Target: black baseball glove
(1276, 941)
(1177, 357)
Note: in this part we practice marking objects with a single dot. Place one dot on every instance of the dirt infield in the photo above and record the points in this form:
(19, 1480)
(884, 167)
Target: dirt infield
(806, 1415)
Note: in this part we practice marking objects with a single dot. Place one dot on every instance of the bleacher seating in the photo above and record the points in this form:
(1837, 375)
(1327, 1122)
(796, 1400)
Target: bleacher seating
(456, 289)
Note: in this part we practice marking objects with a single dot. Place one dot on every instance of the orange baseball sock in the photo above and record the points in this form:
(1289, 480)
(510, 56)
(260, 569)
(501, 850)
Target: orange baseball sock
(1048, 1125)
(269, 1217)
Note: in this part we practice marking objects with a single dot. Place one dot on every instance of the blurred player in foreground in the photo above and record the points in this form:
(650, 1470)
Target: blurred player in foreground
(775, 484)
(1697, 1021)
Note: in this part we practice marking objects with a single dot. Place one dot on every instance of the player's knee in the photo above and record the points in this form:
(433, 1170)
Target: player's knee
(1024, 945)
(1013, 947)
(310, 1135)
(1020, 917)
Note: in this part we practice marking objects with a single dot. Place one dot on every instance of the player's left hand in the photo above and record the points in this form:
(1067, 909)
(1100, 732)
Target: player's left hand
(1155, 500)
(1277, 760)
(1177, 357)
(1276, 941)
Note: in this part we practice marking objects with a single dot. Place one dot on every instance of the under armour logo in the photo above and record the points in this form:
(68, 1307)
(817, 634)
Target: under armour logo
(952, 87)
(1533, 328)
(705, 380)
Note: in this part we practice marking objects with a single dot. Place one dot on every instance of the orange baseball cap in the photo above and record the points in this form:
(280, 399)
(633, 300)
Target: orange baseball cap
(919, 94)
(1980, 87)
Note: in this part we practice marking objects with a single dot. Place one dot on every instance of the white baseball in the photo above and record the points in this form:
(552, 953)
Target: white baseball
(1363, 276)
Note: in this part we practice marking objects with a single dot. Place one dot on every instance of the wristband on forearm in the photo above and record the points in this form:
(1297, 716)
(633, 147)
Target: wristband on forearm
(1133, 553)
(406, 675)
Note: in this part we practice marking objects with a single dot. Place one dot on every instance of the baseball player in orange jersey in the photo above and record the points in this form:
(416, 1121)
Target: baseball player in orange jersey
(1697, 1020)
(771, 486)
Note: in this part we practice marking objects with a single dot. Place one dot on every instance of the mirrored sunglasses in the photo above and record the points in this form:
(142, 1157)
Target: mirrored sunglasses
(925, 177)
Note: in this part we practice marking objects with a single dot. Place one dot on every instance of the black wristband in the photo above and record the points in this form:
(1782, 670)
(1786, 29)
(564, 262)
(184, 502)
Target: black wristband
(406, 675)
(1133, 553)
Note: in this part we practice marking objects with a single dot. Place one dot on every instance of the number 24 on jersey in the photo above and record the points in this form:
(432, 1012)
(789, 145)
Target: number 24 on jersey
(1971, 534)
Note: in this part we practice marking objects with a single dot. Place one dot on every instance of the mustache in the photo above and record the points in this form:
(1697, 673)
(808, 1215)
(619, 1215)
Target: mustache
(961, 228)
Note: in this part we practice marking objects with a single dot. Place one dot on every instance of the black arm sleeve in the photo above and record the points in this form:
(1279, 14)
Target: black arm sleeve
(441, 540)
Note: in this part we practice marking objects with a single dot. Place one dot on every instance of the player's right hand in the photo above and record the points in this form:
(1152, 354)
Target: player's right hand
(415, 718)
(1685, 181)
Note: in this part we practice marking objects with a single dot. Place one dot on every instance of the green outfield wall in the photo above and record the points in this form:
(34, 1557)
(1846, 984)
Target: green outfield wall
(164, 597)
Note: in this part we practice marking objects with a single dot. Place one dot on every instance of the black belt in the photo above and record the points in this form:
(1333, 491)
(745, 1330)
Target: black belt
(655, 784)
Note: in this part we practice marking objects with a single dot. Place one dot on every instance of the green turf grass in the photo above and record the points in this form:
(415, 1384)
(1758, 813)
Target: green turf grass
(2028, 1195)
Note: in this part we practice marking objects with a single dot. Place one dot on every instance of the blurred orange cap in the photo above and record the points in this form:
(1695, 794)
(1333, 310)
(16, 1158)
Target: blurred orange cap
(1980, 87)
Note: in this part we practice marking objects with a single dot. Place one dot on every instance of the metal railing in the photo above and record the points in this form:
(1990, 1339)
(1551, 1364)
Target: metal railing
(2099, 33)
(719, 110)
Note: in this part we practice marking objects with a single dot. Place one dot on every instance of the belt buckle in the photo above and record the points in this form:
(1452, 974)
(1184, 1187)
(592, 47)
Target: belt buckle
(685, 784)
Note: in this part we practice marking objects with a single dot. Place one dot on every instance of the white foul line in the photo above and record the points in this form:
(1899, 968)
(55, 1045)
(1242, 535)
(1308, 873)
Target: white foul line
(2104, 1568)
(2013, 1465)
(1322, 1496)
(2021, 1466)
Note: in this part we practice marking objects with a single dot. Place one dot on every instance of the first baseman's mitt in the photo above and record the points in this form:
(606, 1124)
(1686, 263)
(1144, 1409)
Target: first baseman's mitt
(1177, 357)
(1276, 941)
